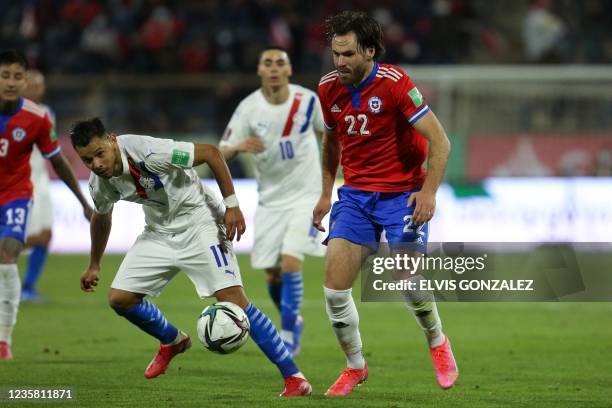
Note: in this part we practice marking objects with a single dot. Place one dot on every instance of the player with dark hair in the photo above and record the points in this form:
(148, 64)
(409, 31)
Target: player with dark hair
(23, 124)
(279, 124)
(379, 125)
(187, 228)
(40, 221)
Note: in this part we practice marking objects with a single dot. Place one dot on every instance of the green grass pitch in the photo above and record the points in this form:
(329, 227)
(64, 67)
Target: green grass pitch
(509, 354)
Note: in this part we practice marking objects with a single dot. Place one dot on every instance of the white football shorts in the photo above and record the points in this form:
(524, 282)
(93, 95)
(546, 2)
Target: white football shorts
(41, 214)
(155, 258)
(280, 231)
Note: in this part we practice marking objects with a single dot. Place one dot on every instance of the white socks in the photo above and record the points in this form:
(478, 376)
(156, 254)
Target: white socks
(423, 305)
(10, 291)
(345, 322)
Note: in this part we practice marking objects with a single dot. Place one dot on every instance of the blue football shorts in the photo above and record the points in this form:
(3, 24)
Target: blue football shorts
(361, 217)
(14, 218)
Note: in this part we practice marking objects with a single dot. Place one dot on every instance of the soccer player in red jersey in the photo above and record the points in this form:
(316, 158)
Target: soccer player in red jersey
(378, 124)
(22, 124)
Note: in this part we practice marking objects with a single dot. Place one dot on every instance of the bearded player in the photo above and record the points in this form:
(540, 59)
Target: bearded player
(378, 124)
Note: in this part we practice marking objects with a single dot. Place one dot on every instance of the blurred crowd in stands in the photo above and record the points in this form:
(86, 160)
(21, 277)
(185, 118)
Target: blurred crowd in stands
(136, 37)
(153, 36)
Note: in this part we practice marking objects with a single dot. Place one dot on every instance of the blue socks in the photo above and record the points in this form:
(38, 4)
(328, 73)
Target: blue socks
(36, 263)
(292, 294)
(265, 335)
(151, 320)
(274, 289)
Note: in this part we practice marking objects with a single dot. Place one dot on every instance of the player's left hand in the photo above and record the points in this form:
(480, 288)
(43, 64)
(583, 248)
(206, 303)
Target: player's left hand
(234, 223)
(425, 206)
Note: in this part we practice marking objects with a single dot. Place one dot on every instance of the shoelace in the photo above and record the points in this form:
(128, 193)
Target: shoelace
(344, 379)
(440, 355)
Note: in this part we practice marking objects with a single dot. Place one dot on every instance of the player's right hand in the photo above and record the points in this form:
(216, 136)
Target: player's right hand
(319, 212)
(234, 223)
(90, 279)
(252, 145)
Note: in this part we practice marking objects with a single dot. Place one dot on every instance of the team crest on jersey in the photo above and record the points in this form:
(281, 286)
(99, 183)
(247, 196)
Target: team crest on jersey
(19, 134)
(374, 104)
(260, 129)
(148, 183)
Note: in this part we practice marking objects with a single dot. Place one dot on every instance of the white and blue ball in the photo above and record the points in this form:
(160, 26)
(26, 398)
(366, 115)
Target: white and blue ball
(223, 327)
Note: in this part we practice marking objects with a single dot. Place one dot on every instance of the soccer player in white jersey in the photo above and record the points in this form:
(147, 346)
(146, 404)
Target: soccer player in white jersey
(41, 216)
(187, 228)
(279, 123)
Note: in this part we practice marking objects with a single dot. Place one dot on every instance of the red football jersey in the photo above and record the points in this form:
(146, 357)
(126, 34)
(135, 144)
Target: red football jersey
(381, 151)
(19, 131)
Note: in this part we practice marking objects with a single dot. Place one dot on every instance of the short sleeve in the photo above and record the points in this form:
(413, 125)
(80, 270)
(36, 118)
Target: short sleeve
(104, 196)
(165, 154)
(46, 140)
(237, 129)
(317, 117)
(409, 99)
(328, 120)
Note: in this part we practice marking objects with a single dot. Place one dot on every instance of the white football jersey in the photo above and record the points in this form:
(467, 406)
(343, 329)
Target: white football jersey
(39, 174)
(158, 174)
(288, 171)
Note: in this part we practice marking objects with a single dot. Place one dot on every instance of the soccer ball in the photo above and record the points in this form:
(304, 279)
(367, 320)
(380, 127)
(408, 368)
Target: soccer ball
(223, 327)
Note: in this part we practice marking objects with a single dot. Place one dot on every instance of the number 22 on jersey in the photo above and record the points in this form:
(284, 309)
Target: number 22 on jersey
(360, 122)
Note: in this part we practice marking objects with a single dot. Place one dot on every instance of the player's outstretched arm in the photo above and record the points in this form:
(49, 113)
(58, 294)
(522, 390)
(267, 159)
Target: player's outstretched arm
(234, 220)
(248, 145)
(439, 149)
(64, 172)
(330, 159)
(99, 230)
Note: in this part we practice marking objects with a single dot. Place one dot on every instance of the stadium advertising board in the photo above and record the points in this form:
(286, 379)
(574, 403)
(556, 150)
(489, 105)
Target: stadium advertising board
(498, 210)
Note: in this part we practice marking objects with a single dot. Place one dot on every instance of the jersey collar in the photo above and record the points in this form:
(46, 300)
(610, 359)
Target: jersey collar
(356, 92)
(124, 161)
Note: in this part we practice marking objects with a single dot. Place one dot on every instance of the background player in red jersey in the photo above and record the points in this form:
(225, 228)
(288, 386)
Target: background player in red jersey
(379, 124)
(22, 124)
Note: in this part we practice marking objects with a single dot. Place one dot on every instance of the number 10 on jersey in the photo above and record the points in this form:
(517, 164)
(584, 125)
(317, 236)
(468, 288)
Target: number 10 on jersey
(286, 149)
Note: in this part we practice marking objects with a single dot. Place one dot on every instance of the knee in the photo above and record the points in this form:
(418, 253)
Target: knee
(46, 236)
(41, 239)
(121, 302)
(7, 259)
(233, 294)
(273, 276)
(9, 250)
(290, 264)
(337, 282)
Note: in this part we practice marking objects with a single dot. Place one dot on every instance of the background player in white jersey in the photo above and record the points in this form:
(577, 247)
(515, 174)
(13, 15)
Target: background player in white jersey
(187, 228)
(41, 216)
(278, 123)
